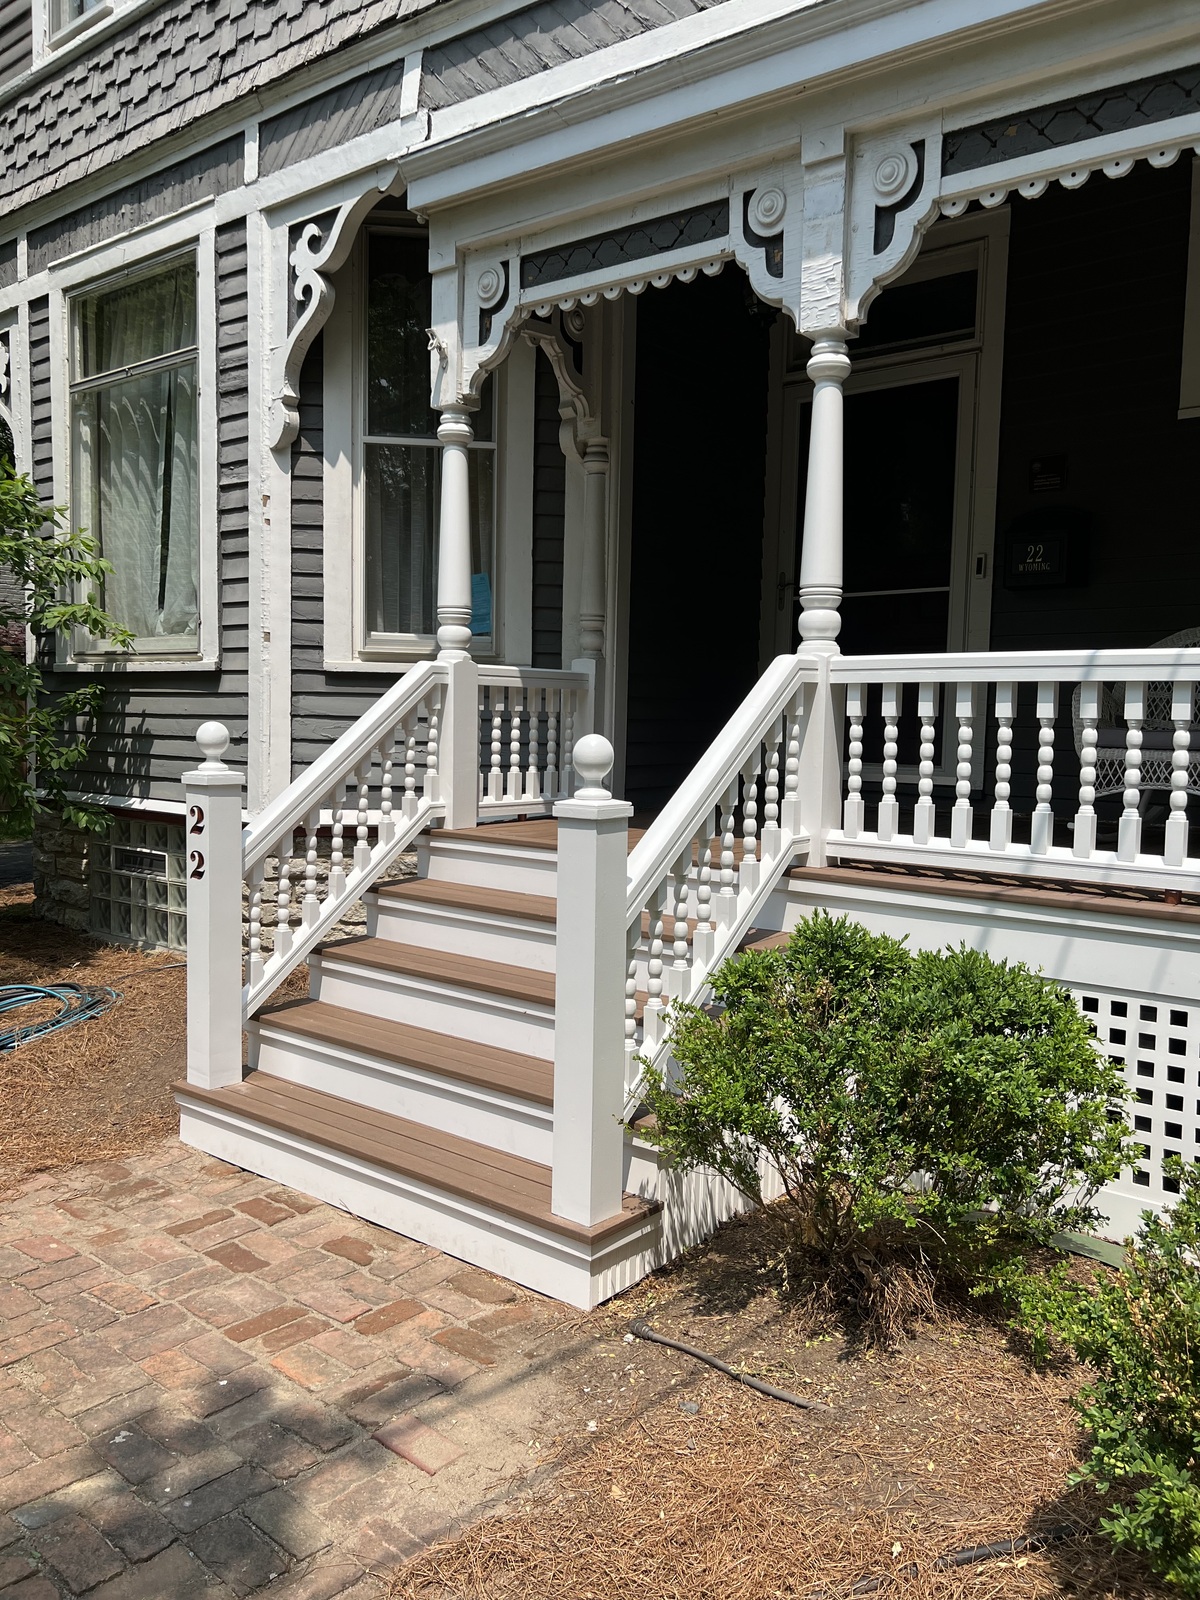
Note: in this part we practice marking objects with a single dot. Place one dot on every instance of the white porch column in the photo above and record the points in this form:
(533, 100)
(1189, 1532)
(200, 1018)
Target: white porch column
(820, 585)
(454, 537)
(595, 535)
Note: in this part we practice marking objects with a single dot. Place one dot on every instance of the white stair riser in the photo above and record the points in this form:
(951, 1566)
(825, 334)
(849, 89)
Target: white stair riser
(544, 1261)
(484, 1116)
(495, 866)
(514, 943)
(459, 1013)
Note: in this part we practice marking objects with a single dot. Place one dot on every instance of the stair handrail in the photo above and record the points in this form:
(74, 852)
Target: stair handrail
(697, 796)
(337, 761)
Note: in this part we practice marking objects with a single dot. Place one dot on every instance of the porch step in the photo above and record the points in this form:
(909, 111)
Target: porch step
(483, 1205)
(486, 1002)
(497, 925)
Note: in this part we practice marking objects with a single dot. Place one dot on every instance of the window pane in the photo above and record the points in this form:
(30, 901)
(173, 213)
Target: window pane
(136, 321)
(921, 313)
(398, 315)
(402, 493)
(136, 471)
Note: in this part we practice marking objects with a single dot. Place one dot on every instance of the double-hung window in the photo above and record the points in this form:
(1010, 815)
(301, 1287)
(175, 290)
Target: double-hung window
(135, 449)
(401, 458)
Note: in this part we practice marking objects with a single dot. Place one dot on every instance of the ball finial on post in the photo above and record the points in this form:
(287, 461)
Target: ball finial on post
(593, 757)
(213, 739)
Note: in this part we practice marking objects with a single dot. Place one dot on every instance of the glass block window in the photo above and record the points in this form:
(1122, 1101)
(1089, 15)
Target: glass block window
(138, 885)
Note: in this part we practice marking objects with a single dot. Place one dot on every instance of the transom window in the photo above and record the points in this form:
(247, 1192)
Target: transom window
(401, 466)
(135, 448)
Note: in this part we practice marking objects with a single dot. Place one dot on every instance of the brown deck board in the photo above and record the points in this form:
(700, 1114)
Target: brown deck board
(507, 1183)
(536, 833)
(470, 897)
(484, 1065)
(443, 966)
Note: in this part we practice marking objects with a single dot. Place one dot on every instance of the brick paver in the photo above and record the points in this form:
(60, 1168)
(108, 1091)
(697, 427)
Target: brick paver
(211, 1386)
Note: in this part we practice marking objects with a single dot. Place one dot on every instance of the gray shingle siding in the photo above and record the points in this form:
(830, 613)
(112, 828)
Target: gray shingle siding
(16, 38)
(331, 119)
(183, 60)
(540, 37)
(210, 173)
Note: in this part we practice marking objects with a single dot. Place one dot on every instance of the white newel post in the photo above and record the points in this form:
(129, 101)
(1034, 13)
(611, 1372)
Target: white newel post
(820, 592)
(213, 793)
(458, 752)
(589, 1009)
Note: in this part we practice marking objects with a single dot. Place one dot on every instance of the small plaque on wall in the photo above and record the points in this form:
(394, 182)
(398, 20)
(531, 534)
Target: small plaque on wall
(1037, 562)
(1047, 549)
(1047, 474)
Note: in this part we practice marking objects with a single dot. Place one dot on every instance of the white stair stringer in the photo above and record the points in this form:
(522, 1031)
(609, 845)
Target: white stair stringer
(578, 1271)
(483, 1114)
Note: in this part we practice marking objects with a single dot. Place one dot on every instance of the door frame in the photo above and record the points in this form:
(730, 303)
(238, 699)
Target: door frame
(977, 241)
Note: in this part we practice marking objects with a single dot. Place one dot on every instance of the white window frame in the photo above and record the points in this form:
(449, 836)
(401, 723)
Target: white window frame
(348, 646)
(82, 274)
(978, 242)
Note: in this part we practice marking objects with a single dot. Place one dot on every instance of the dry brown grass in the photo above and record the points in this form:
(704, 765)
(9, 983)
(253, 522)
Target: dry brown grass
(950, 1441)
(100, 1088)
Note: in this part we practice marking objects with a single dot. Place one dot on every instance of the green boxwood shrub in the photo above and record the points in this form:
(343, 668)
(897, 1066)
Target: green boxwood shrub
(1139, 1331)
(938, 1107)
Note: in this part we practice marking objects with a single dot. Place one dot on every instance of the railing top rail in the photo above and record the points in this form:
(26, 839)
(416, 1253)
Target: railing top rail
(677, 823)
(291, 807)
(533, 676)
(1023, 666)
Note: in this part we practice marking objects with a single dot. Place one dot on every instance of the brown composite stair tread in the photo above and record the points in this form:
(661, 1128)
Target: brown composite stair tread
(443, 966)
(472, 897)
(507, 1183)
(537, 833)
(485, 1066)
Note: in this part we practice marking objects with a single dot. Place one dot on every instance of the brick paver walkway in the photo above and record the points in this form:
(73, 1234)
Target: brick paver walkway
(210, 1386)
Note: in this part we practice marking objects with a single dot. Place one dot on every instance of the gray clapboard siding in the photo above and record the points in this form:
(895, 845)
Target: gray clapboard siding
(540, 37)
(329, 119)
(213, 171)
(179, 61)
(549, 507)
(41, 461)
(16, 38)
(323, 704)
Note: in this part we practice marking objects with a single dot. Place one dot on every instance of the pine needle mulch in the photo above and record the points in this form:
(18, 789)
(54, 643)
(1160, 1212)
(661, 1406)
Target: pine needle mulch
(950, 1441)
(101, 1088)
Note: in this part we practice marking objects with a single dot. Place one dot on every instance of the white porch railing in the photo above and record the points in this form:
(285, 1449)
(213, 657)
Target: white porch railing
(1001, 720)
(530, 719)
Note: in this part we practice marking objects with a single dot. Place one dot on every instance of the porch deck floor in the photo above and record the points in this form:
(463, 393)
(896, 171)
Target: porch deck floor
(1009, 888)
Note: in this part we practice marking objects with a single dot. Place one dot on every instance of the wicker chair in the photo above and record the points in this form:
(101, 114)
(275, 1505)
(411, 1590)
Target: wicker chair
(1157, 731)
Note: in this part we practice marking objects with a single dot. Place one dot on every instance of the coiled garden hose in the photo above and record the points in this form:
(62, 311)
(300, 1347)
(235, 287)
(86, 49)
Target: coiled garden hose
(77, 1005)
(874, 1582)
(641, 1329)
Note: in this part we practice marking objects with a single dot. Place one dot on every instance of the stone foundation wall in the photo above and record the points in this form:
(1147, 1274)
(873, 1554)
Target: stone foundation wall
(60, 874)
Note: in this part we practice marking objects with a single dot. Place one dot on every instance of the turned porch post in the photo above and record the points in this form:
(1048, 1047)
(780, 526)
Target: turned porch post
(820, 583)
(595, 531)
(459, 752)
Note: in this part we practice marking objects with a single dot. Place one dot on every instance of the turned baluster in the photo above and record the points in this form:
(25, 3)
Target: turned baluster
(254, 918)
(410, 772)
(852, 810)
(431, 788)
(749, 871)
(631, 982)
(1129, 831)
(704, 938)
(516, 706)
(1041, 832)
(1000, 829)
(387, 823)
(495, 789)
(655, 1003)
(1084, 843)
(924, 817)
(568, 761)
(790, 809)
(1175, 844)
(677, 975)
(533, 776)
(962, 816)
(337, 865)
(283, 898)
(770, 836)
(553, 702)
(362, 838)
(726, 894)
(311, 909)
(889, 809)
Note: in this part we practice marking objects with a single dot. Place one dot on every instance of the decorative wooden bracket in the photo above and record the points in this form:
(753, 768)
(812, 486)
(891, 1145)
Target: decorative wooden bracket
(894, 197)
(579, 412)
(316, 249)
